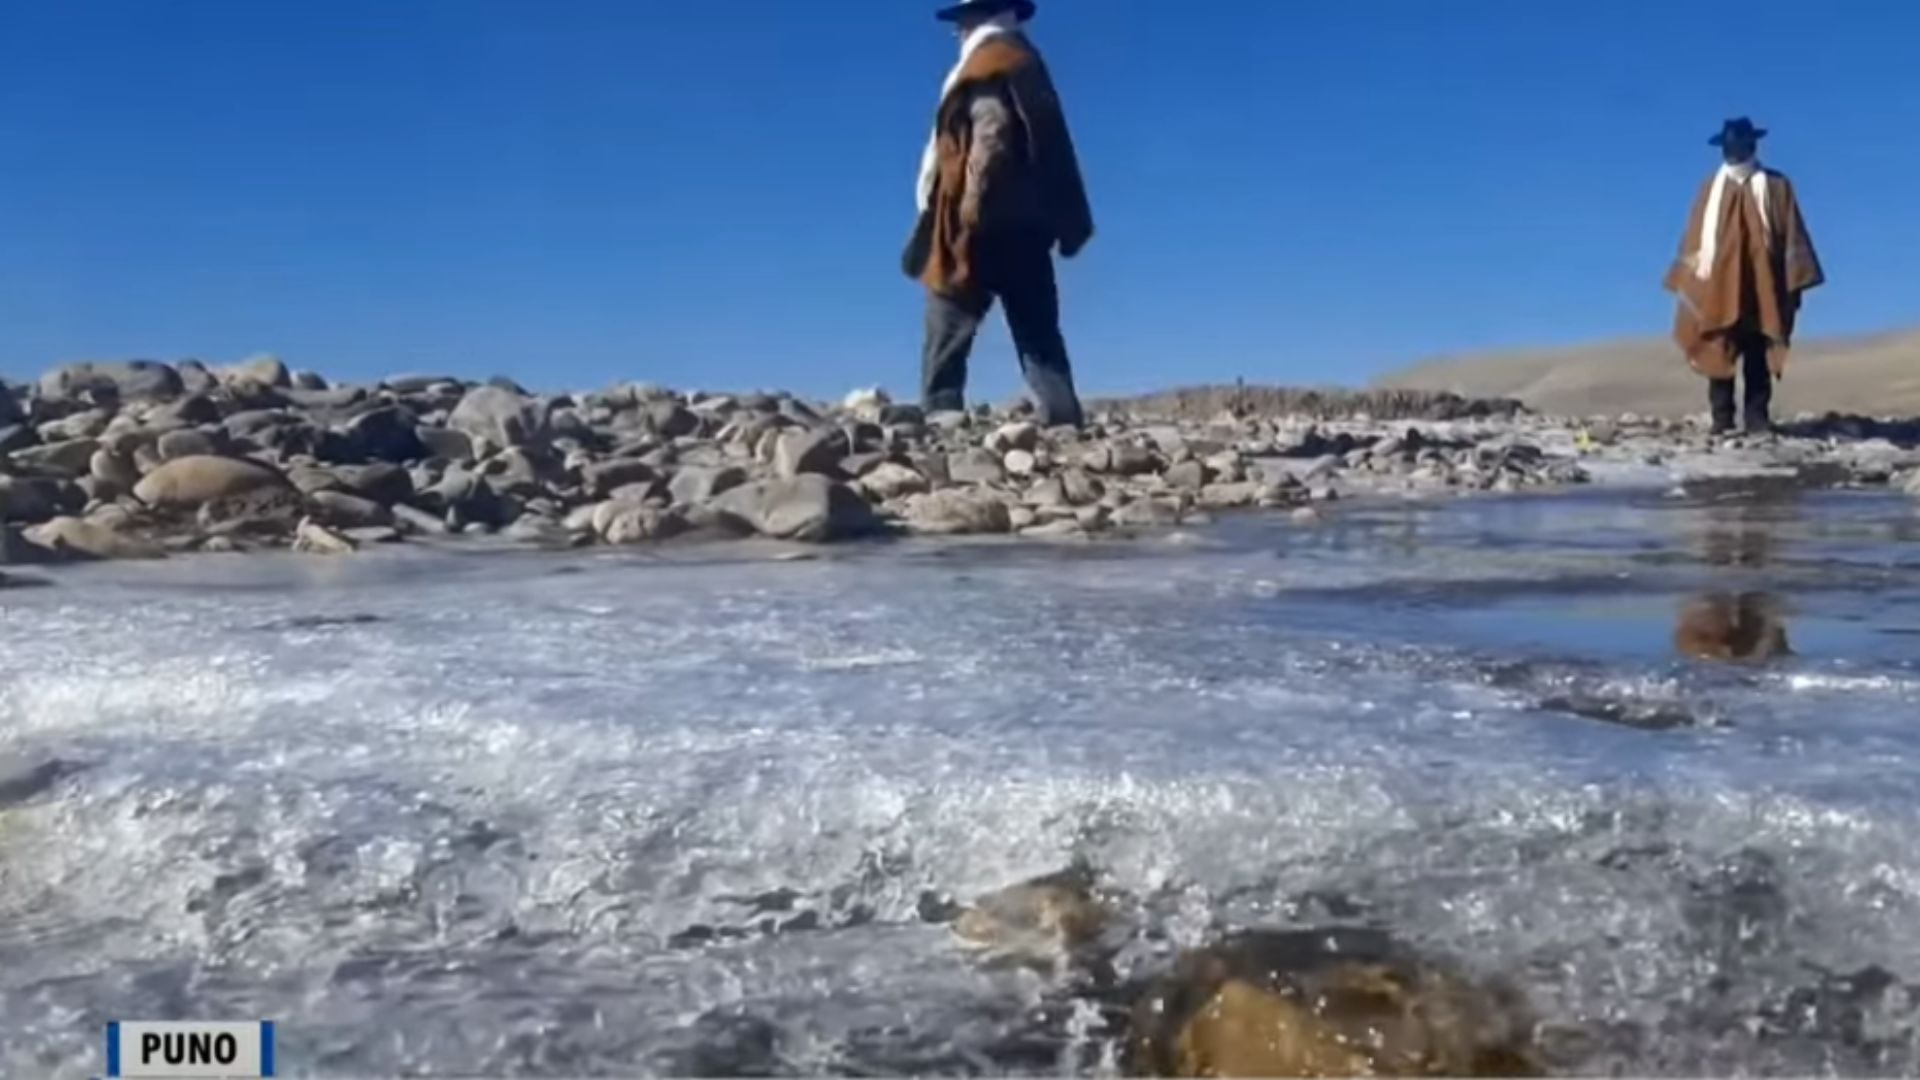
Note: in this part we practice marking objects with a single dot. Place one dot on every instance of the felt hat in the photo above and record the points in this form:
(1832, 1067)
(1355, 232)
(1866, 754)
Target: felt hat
(1737, 128)
(986, 9)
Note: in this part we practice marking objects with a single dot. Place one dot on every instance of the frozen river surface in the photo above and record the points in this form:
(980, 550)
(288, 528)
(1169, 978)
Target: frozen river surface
(574, 815)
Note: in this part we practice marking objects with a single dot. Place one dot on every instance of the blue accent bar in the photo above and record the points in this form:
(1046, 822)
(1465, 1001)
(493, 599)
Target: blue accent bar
(266, 1048)
(113, 1048)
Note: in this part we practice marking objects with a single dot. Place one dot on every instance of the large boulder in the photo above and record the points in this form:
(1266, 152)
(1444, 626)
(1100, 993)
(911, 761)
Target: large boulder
(695, 484)
(188, 482)
(500, 416)
(69, 458)
(124, 380)
(808, 508)
(1335, 1002)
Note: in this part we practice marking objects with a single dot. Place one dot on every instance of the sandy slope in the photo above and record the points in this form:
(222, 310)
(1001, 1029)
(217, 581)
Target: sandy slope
(1873, 376)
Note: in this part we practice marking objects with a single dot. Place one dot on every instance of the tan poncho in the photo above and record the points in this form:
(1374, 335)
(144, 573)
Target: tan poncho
(1751, 277)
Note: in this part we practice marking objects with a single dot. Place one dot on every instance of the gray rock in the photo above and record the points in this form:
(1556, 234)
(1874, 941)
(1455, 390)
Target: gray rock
(1080, 488)
(1057, 529)
(11, 411)
(696, 485)
(70, 458)
(419, 384)
(1020, 463)
(373, 534)
(1232, 495)
(186, 442)
(632, 523)
(310, 380)
(192, 481)
(412, 520)
(801, 452)
(128, 380)
(312, 538)
(891, 480)
(88, 424)
(809, 508)
(191, 411)
(1146, 514)
(72, 537)
(975, 466)
(29, 499)
(265, 369)
(195, 378)
(346, 511)
(445, 444)
(1131, 459)
(390, 433)
(16, 437)
(1015, 436)
(1188, 475)
(262, 511)
(110, 468)
(672, 420)
(955, 512)
(602, 477)
(501, 417)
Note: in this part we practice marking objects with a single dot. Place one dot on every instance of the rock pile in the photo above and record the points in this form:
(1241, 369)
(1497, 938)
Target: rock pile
(139, 459)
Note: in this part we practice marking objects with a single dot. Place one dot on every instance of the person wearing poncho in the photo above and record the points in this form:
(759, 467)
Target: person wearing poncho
(1745, 264)
(999, 190)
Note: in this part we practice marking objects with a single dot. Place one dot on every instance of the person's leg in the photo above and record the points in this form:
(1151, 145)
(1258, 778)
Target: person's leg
(1759, 380)
(1720, 400)
(1024, 279)
(952, 323)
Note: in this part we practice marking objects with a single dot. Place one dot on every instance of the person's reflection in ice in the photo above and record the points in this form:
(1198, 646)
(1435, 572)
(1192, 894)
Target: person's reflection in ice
(1723, 626)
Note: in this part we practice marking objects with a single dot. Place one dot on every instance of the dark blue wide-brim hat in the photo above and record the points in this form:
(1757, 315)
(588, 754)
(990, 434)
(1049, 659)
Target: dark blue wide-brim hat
(1738, 128)
(986, 9)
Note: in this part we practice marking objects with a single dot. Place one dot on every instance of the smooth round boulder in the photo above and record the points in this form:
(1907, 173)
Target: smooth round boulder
(189, 482)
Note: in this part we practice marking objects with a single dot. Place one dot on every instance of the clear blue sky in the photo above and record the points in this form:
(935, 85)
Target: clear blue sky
(714, 192)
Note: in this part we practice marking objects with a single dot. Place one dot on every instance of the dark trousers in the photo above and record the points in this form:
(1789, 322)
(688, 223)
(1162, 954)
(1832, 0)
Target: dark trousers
(1019, 274)
(1759, 388)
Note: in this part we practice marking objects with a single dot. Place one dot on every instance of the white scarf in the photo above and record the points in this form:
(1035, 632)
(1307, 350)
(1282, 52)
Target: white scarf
(1754, 178)
(1006, 22)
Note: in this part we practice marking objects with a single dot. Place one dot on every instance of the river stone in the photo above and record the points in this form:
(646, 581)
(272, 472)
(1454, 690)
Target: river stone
(500, 416)
(694, 485)
(1146, 514)
(957, 512)
(975, 466)
(891, 480)
(72, 536)
(601, 477)
(29, 499)
(1055, 915)
(809, 451)
(1333, 1002)
(265, 370)
(81, 425)
(346, 511)
(631, 523)
(71, 458)
(312, 538)
(808, 508)
(414, 520)
(382, 482)
(129, 380)
(389, 434)
(192, 481)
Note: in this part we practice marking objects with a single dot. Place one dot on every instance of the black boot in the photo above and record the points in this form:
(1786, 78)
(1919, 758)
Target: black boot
(1720, 400)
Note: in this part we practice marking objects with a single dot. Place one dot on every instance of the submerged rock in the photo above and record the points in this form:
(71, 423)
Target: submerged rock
(1051, 916)
(1337, 1002)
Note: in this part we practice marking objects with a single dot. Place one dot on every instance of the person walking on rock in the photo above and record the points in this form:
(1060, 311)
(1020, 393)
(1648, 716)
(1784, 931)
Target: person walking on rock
(1745, 262)
(999, 190)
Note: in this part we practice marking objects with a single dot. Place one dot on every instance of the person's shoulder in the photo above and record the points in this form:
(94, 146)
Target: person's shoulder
(1776, 176)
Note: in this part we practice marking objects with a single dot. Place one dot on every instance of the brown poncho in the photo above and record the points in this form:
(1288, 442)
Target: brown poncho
(940, 252)
(1762, 263)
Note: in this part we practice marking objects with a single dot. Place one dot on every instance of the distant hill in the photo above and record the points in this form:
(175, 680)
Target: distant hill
(1871, 376)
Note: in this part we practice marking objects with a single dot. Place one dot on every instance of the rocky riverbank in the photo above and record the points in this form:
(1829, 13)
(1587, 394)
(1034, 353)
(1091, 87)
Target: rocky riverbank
(140, 460)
